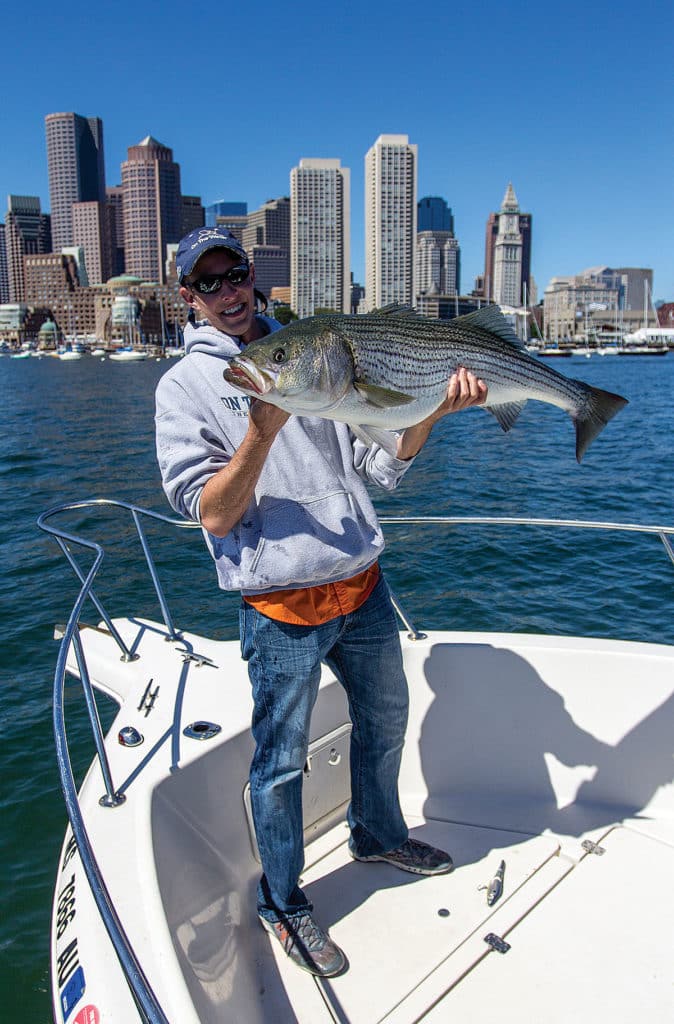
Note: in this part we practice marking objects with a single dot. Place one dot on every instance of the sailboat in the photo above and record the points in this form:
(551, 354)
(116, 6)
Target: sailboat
(648, 341)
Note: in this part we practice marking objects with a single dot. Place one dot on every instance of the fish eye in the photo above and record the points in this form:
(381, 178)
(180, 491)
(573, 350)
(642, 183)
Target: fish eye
(279, 355)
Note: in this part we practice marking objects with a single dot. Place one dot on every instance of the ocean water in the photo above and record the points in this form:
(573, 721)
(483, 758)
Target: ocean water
(81, 430)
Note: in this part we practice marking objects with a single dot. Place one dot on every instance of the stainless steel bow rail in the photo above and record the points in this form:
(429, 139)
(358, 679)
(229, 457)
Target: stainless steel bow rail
(148, 1006)
(663, 532)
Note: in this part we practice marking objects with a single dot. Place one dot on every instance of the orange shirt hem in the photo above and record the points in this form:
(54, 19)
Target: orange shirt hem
(312, 606)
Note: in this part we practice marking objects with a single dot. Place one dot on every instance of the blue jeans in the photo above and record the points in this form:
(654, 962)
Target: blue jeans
(284, 665)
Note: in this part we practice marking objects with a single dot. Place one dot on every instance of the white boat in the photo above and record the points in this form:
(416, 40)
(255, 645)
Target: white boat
(127, 355)
(68, 355)
(553, 351)
(550, 754)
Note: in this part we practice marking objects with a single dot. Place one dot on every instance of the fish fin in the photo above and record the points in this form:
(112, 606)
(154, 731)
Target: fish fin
(382, 398)
(506, 414)
(386, 439)
(489, 318)
(601, 406)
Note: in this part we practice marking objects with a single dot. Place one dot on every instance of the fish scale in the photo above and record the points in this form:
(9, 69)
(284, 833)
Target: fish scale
(390, 369)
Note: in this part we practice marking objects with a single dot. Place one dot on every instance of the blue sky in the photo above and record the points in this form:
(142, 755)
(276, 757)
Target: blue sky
(571, 102)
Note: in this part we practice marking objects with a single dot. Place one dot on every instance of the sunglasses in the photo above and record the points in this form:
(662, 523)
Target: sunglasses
(210, 284)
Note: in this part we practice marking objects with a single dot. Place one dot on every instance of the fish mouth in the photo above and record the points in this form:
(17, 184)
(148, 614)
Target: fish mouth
(245, 375)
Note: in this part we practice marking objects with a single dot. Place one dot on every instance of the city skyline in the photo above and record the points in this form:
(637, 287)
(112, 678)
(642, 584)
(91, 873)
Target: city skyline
(563, 110)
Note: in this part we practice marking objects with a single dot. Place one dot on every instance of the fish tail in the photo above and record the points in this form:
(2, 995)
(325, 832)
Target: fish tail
(595, 412)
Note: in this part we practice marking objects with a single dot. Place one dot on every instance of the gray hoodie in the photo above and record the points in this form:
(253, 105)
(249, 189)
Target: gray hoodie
(311, 520)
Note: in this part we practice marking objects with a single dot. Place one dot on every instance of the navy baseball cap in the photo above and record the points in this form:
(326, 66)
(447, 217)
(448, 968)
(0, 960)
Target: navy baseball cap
(193, 246)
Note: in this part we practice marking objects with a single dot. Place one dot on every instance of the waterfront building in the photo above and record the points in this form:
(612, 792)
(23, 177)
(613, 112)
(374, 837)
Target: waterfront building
(266, 239)
(438, 257)
(94, 231)
(77, 253)
(390, 221)
(12, 318)
(223, 209)
(666, 315)
(357, 296)
(637, 288)
(433, 214)
(320, 246)
(192, 215)
(280, 296)
(235, 223)
(446, 307)
(569, 303)
(152, 208)
(75, 162)
(115, 201)
(272, 267)
(4, 280)
(269, 225)
(51, 280)
(27, 231)
(438, 263)
(507, 266)
(606, 301)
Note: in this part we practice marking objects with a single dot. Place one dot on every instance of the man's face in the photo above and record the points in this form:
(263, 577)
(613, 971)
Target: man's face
(230, 309)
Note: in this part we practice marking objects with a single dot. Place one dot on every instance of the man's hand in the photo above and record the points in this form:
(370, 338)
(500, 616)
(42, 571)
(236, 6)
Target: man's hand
(463, 391)
(267, 419)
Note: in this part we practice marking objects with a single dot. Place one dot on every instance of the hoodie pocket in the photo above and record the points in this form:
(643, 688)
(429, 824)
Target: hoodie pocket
(310, 541)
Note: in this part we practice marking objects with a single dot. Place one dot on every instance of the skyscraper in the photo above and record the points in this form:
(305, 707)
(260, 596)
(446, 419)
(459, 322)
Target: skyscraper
(320, 267)
(93, 230)
(266, 239)
(507, 264)
(438, 263)
(27, 232)
(76, 168)
(192, 215)
(222, 208)
(390, 221)
(4, 280)
(433, 214)
(115, 203)
(152, 208)
(438, 257)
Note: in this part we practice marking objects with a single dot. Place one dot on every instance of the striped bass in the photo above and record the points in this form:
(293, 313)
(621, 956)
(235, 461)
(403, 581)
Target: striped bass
(390, 369)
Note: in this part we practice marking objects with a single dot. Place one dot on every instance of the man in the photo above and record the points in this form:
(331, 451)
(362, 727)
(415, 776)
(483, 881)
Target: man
(287, 517)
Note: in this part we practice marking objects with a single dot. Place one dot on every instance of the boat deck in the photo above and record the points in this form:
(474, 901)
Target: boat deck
(567, 925)
(589, 933)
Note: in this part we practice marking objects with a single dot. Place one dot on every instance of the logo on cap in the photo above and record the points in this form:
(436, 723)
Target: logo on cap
(206, 234)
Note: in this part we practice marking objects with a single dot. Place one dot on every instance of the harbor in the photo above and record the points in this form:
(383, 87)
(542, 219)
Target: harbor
(501, 581)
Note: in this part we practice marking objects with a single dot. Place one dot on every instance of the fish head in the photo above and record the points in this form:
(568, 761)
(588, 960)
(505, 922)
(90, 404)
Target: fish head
(305, 368)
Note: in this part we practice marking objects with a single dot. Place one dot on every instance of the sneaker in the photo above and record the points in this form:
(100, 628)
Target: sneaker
(307, 945)
(419, 858)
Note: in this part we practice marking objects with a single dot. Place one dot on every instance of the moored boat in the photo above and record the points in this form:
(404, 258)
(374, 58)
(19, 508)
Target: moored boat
(127, 355)
(553, 351)
(550, 754)
(642, 350)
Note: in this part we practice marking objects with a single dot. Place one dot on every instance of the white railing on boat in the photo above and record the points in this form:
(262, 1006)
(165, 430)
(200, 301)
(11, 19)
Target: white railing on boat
(148, 1006)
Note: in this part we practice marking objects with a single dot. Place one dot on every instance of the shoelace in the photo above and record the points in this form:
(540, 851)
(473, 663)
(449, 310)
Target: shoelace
(415, 850)
(303, 929)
